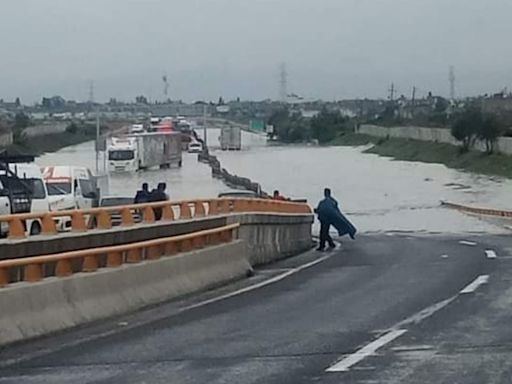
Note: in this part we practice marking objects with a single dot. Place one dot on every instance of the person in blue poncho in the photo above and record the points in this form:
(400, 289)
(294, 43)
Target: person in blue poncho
(329, 214)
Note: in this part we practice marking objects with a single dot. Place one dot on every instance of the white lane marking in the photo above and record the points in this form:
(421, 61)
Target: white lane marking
(424, 313)
(490, 254)
(472, 287)
(344, 364)
(125, 325)
(470, 243)
(264, 283)
(444, 256)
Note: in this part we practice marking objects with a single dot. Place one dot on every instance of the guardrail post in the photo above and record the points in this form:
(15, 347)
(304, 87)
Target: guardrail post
(90, 263)
(199, 209)
(114, 259)
(170, 248)
(103, 220)
(33, 273)
(223, 206)
(153, 252)
(127, 217)
(78, 222)
(167, 213)
(198, 242)
(4, 277)
(48, 226)
(185, 212)
(212, 207)
(63, 268)
(185, 245)
(16, 228)
(148, 215)
(134, 255)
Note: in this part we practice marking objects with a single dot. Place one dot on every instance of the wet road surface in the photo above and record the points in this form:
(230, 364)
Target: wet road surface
(384, 309)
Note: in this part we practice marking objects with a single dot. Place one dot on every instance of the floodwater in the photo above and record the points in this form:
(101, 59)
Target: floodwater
(377, 193)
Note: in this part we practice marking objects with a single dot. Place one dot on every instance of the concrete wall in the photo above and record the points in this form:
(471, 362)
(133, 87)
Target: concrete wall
(30, 310)
(438, 135)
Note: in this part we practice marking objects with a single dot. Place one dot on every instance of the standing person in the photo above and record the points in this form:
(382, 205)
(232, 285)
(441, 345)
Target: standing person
(143, 195)
(329, 214)
(324, 211)
(159, 194)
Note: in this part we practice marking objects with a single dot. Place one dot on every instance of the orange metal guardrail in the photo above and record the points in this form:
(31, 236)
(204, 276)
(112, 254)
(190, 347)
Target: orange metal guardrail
(186, 209)
(478, 211)
(32, 269)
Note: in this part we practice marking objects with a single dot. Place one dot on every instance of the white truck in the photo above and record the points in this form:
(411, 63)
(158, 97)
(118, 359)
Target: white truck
(70, 188)
(230, 138)
(142, 151)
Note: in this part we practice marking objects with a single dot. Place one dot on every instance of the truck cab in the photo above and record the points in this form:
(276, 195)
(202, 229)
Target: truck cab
(70, 188)
(123, 155)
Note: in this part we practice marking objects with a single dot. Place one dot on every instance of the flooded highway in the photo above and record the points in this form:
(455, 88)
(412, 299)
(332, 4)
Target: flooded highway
(378, 194)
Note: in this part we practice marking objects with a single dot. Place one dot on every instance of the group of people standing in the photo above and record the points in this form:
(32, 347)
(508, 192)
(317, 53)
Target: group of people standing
(144, 195)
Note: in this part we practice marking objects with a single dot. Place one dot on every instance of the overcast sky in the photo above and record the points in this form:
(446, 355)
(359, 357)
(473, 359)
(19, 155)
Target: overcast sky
(207, 48)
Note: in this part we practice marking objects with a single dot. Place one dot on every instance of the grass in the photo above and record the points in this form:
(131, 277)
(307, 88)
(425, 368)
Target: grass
(430, 152)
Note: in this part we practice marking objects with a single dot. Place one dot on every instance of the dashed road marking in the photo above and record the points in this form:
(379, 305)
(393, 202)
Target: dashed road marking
(344, 364)
(490, 254)
(469, 243)
(472, 287)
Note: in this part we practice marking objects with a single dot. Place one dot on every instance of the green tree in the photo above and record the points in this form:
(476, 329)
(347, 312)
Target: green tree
(327, 125)
(467, 127)
(489, 132)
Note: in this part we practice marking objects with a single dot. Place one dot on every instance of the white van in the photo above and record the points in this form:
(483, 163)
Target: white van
(23, 185)
(70, 188)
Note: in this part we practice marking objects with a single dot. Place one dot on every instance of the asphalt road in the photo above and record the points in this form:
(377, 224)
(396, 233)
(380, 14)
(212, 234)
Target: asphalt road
(383, 309)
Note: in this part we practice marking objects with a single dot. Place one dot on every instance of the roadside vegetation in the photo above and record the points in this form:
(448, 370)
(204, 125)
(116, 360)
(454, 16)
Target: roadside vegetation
(75, 133)
(326, 126)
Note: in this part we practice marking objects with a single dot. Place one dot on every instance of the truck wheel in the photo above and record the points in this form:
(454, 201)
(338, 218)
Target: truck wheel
(35, 229)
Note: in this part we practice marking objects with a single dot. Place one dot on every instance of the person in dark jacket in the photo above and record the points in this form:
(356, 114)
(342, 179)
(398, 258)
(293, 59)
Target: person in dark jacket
(159, 194)
(143, 195)
(329, 214)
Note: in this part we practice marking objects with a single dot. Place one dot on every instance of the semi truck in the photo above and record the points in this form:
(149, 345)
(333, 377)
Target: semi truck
(146, 150)
(230, 138)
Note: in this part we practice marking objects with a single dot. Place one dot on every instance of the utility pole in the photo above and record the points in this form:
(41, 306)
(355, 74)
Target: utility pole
(283, 83)
(413, 99)
(392, 91)
(451, 78)
(205, 133)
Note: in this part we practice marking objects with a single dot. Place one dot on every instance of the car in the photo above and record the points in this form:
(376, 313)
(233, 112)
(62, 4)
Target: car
(195, 147)
(117, 201)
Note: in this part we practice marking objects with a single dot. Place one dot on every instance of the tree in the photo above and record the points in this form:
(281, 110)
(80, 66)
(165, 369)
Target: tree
(327, 125)
(467, 127)
(289, 127)
(141, 99)
(17, 102)
(21, 121)
(489, 132)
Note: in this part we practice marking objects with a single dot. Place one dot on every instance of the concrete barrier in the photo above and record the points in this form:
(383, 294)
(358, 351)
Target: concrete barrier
(270, 237)
(34, 309)
(38, 308)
